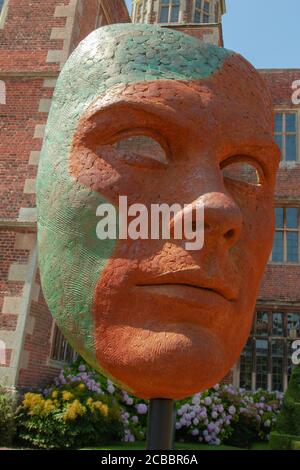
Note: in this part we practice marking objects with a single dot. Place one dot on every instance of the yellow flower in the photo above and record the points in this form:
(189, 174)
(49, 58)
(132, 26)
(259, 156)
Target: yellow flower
(54, 394)
(34, 403)
(98, 405)
(48, 406)
(67, 396)
(74, 410)
(89, 402)
(81, 387)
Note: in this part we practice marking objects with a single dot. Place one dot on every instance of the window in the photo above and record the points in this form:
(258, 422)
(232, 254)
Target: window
(266, 359)
(202, 11)
(169, 11)
(61, 350)
(3, 12)
(140, 11)
(286, 240)
(286, 135)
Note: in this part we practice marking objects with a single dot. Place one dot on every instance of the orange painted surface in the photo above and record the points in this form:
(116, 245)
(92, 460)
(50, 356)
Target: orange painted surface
(170, 322)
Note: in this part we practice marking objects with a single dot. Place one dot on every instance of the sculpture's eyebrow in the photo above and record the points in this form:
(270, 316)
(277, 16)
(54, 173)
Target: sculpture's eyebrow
(172, 101)
(157, 108)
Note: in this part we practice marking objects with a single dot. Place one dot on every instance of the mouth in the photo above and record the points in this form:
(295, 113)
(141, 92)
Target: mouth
(183, 284)
(183, 287)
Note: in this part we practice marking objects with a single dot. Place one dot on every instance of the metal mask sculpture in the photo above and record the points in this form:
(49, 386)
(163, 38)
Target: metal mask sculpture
(159, 320)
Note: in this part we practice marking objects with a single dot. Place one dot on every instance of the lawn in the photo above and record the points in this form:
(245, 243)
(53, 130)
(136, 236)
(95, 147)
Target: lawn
(180, 446)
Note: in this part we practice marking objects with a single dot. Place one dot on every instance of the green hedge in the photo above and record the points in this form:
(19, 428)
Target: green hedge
(286, 435)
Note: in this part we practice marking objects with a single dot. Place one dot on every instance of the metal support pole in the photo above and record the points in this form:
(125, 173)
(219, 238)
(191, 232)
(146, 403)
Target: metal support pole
(160, 431)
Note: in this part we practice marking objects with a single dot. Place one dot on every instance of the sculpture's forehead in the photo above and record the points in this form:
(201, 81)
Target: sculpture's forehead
(125, 55)
(133, 53)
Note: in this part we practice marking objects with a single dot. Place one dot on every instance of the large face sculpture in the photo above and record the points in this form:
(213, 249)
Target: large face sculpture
(160, 320)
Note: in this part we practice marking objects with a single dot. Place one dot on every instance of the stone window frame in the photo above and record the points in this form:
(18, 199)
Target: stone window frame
(286, 230)
(139, 11)
(3, 14)
(171, 5)
(285, 339)
(202, 11)
(285, 111)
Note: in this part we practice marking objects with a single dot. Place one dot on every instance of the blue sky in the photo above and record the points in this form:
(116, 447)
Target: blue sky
(266, 32)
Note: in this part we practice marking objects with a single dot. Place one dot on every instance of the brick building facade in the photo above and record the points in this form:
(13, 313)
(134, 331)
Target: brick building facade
(35, 40)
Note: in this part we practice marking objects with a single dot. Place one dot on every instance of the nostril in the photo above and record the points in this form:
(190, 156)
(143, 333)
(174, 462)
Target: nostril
(229, 234)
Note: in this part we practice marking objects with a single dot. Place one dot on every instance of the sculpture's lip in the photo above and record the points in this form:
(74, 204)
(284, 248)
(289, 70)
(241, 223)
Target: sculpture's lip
(189, 281)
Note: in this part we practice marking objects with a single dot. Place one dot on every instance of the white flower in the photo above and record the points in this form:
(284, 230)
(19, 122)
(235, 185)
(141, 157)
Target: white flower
(207, 401)
(141, 408)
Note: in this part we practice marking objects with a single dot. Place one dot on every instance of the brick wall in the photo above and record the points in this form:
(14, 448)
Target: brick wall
(35, 41)
(281, 283)
(37, 369)
(25, 39)
(210, 34)
(87, 13)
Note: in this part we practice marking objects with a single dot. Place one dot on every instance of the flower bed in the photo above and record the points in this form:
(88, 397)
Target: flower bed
(83, 408)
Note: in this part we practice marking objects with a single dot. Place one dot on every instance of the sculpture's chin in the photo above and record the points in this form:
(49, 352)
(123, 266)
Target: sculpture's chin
(174, 363)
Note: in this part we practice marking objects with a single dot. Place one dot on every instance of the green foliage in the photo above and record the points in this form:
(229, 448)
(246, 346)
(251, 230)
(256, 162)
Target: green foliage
(85, 409)
(287, 431)
(281, 441)
(244, 432)
(296, 445)
(7, 422)
(69, 417)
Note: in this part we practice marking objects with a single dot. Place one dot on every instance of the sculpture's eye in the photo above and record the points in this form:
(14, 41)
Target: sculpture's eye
(242, 171)
(141, 150)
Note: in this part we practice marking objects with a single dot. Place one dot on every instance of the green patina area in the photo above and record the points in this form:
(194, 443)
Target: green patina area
(71, 257)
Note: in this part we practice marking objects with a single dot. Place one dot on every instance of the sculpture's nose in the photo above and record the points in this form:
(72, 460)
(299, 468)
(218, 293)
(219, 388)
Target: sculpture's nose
(223, 218)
